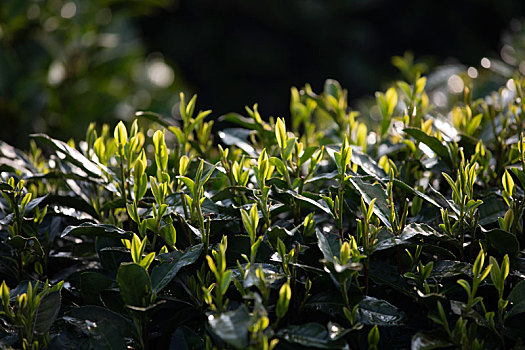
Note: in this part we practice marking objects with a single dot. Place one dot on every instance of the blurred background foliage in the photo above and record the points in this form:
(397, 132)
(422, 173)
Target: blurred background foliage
(66, 63)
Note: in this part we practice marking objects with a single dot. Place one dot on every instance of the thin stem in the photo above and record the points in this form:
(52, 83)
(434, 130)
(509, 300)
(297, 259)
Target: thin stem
(345, 294)
(123, 178)
(184, 205)
(341, 192)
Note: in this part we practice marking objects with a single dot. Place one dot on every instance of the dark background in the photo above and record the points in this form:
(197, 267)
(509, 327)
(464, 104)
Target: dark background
(231, 52)
(238, 52)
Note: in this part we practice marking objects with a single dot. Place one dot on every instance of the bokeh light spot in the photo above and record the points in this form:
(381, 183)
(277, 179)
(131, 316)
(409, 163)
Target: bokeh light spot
(68, 10)
(455, 84)
(33, 12)
(56, 73)
(51, 24)
(159, 73)
(472, 72)
(439, 99)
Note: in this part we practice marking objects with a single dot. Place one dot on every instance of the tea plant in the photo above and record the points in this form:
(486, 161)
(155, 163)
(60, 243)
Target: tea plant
(322, 230)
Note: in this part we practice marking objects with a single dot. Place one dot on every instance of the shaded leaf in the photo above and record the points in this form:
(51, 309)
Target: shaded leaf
(134, 283)
(91, 284)
(502, 242)
(387, 275)
(374, 311)
(47, 312)
(491, 209)
(98, 314)
(369, 192)
(185, 338)
(232, 327)
(369, 166)
(428, 340)
(272, 276)
(97, 230)
(311, 335)
(517, 294)
(415, 192)
(432, 142)
(34, 203)
(154, 117)
(237, 137)
(107, 335)
(450, 268)
(307, 200)
(164, 273)
(412, 232)
(329, 246)
(72, 155)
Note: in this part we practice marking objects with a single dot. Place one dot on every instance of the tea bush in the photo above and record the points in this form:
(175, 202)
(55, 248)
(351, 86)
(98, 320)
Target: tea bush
(319, 231)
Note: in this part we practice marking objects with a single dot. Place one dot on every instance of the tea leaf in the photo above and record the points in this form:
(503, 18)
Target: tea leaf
(47, 312)
(311, 335)
(73, 156)
(135, 284)
(164, 273)
(232, 327)
(432, 142)
(97, 230)
(369, 192)
(374, 311)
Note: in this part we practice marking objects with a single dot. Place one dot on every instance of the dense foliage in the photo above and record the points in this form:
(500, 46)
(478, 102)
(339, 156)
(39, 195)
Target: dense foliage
(320, 231)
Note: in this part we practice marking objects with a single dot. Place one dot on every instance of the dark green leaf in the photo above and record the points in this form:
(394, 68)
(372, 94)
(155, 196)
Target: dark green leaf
(450, 268)
(369, 192)
(307, 154)
(91, 284)
(502, 242)
(414, 192)
(492, 208)
(71, 202)
(517, 294)
(238, 119)
(307, 200)
(185, 338)
(5, 187)
(520, 174)
(135, 284)
(322, 177)
(154, 117)
(411, 234)
(47, 312)
(117, 203)
(112, 257)
(374, 311)
(328, 301)
(232, 327)
(107, 336)
(329, 246)
(428, 340)
(387, 275)
(311, 335)
(432, 142)
(164, 273)
(99, 314)
(96, 230)
(369, 166)
(72, 155)
(237, 137)
(272, 276)
(34, 203)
